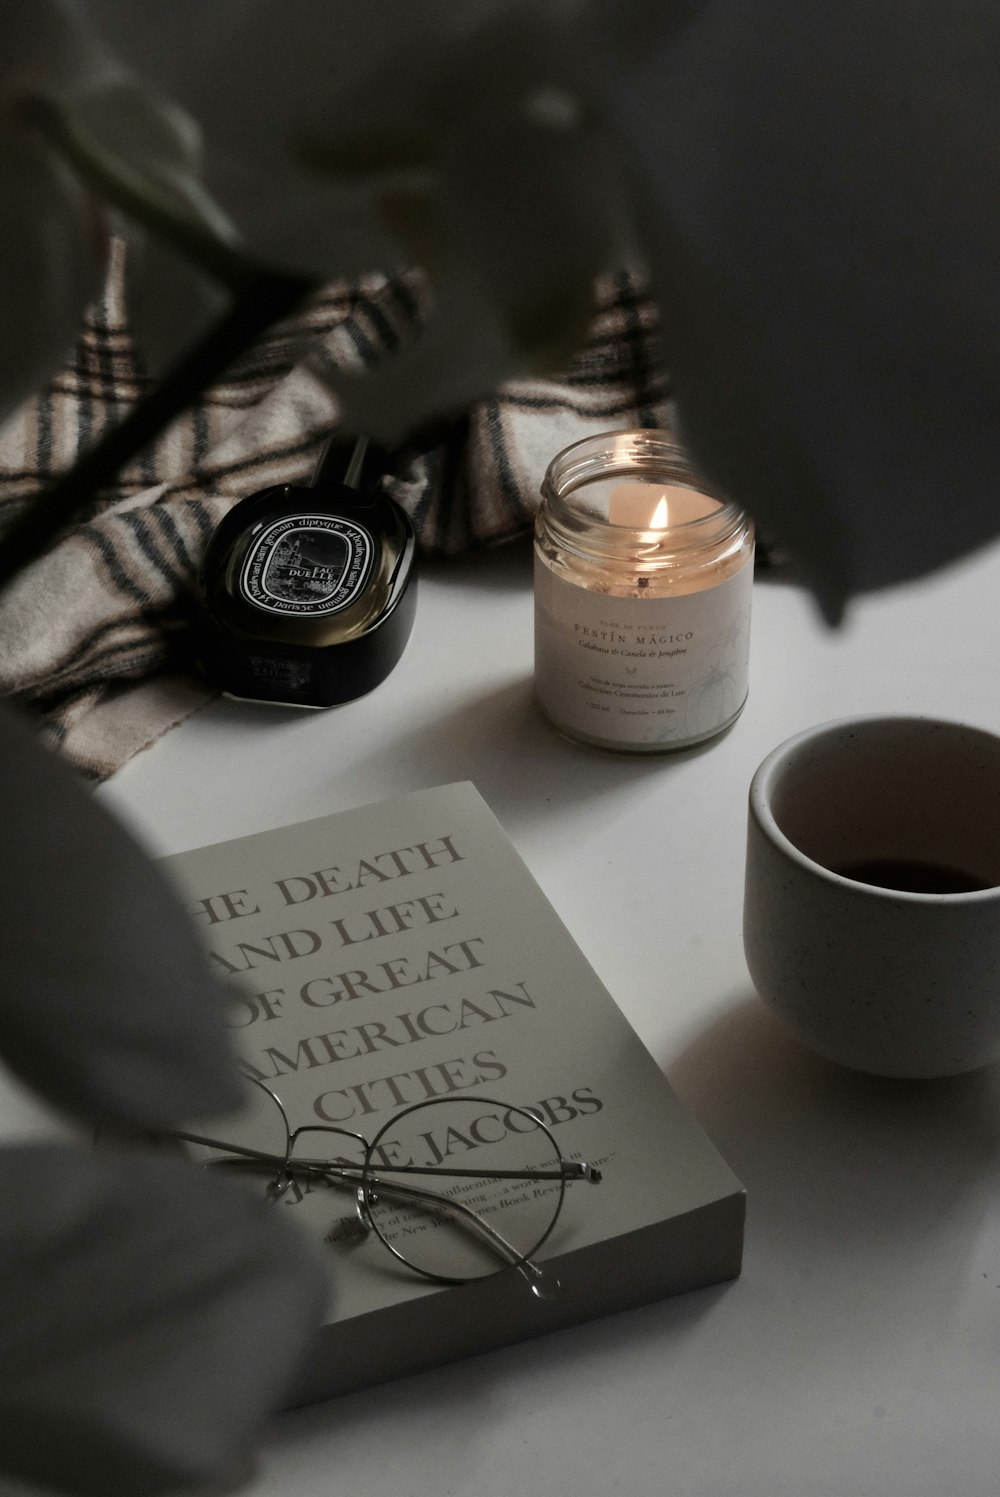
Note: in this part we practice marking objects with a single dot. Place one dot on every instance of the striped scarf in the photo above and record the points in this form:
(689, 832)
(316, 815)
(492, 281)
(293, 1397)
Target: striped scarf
(96, 636)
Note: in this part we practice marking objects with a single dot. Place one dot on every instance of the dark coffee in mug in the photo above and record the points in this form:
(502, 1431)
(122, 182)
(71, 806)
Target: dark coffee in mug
(912, 876)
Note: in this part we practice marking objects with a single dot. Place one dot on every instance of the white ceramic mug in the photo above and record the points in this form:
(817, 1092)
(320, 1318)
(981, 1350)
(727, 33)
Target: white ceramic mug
(899, 981)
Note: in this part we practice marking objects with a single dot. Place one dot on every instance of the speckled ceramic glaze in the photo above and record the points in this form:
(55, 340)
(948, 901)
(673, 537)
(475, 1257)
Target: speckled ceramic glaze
(893, 982)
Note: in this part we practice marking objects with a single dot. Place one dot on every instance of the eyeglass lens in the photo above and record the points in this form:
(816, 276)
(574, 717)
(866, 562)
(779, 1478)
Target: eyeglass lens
(453, 1226)
(465, 1133)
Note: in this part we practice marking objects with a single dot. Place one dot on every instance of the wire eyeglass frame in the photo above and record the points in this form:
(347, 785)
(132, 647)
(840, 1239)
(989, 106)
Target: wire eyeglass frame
(368, 1183)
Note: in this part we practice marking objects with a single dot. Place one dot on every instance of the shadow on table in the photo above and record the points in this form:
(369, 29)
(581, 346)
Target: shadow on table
(469, 1389)
(858, 1179)
(520, 763)
(864, 1196)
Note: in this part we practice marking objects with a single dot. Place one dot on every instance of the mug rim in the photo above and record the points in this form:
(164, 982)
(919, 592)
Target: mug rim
(762, 783)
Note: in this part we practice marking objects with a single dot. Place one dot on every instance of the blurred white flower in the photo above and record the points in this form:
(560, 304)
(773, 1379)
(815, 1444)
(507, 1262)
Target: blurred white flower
(65, 97)
(812, 191)
(819, 192)
(334, 139)
(349, 137)
(51, 235)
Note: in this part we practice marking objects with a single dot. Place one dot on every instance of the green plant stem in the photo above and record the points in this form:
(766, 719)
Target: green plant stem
(264, 302)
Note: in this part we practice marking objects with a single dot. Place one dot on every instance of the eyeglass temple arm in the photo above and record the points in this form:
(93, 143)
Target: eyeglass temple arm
(399, 1190)
(567, 1170)
(354, 1179)
(572, 1170)
(542, 1283)
(575, 1170)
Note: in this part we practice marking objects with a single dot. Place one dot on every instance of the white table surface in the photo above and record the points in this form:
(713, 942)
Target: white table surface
(859, 1354)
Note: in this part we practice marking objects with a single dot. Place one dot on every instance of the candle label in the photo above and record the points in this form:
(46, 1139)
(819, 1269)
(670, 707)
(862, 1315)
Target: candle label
(637, 671)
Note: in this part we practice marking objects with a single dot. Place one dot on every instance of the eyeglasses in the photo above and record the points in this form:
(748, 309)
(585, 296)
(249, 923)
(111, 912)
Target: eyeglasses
(495, 1180)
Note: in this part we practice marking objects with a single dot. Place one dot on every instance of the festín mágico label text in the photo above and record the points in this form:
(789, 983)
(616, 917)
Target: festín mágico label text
(656, 671)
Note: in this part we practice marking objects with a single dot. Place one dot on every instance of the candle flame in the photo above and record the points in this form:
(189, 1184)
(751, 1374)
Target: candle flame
(659, 518)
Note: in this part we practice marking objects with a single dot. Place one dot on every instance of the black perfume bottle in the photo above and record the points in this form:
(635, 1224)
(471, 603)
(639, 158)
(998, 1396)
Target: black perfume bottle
(308, 591)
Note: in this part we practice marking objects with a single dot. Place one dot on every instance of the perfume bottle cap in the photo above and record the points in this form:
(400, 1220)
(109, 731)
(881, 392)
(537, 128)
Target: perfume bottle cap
(308, 591)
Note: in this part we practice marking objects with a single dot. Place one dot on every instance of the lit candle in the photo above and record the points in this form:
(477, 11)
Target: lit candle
(642, 596)
(655, 506)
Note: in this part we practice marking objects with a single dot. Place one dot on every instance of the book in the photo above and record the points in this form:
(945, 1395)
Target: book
(401, 953)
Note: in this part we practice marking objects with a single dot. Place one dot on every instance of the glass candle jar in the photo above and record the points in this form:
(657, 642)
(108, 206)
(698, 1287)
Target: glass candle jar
(642, 596)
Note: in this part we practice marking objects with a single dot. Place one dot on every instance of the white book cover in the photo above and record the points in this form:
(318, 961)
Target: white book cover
(402, 953)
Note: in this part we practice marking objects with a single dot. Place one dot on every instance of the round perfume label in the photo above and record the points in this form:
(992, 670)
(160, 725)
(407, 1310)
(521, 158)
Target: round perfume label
(307, 565)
